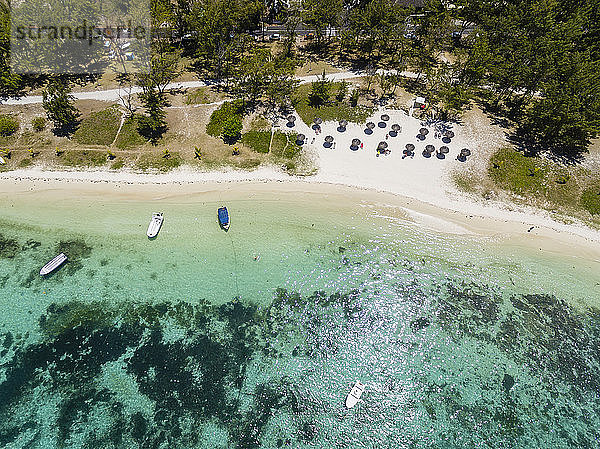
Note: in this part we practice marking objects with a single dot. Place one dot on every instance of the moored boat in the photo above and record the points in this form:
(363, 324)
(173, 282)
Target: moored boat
(355, 394)
(155, 224)
(2, 161)
(53, 264)
(223, 216)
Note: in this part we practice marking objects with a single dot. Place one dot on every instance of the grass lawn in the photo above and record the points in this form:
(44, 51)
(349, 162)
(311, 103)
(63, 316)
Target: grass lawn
(283, 145)
(333, 110)
(99, 128)
(257, 140)
(539, 181)
(82, 158)
(202, 95)
(129, 136)
(590, 199)
(156, 161)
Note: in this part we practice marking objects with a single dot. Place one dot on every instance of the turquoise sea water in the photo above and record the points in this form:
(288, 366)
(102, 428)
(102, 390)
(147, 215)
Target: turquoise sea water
(188, 341)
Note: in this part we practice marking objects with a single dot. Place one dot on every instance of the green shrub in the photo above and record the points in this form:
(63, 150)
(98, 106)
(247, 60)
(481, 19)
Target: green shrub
(590, 200)
(8, 125)
(221, 115)
(38, 124)
(100, 128)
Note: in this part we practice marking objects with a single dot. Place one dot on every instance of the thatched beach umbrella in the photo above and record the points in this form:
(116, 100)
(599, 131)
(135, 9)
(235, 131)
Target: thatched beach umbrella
(410, 147)
(328, 139)
(382, 146)
(291, 118)
(385, 117)
(343, 123)
(444, 149)
(396, 127)
(424, 131)
(300, 139)
(318, 120)
(370, 125)
(449, 134)
(429, 148)
(465, 152)
(355, 142)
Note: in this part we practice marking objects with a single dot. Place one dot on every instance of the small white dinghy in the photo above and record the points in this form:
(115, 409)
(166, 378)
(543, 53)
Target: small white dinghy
(155, 224)
(354, 396)
(53, 264)
(2, 161)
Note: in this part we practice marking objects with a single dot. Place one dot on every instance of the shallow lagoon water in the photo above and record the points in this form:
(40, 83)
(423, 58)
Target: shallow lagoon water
(187, 341)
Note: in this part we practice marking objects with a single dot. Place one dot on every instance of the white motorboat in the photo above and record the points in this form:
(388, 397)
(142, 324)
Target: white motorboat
(354, 396)
(53, 264)
(155, 224)
(2, 161)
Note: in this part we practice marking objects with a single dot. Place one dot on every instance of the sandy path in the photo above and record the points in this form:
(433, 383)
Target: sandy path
(113, 95)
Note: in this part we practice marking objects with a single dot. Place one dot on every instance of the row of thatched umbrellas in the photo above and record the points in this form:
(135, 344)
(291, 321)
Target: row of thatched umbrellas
(382, 146)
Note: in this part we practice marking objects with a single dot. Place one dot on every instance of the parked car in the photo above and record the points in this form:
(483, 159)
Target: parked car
(309, 36)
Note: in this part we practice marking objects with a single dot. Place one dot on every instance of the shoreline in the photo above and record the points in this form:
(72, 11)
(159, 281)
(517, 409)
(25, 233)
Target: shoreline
(467, 217)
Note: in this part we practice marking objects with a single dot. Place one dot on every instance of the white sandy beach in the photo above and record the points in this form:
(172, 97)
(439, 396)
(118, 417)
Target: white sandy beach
(421, 187)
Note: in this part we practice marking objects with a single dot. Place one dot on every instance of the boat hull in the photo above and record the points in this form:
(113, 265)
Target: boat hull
(155, 225)
(354, 395)
(223, 217)
(53, 265)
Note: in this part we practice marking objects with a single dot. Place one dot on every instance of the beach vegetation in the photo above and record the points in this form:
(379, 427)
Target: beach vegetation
(8, 125)
(99, 128)
(82, 158)
(259, 123)
(129, 137)
(328, 110)
(590, 199)
(158, 161)
(25, 162)
(257, 140)
(538, 181)
(282, 145)
(202, 95)
(117, 164)
(38, 124)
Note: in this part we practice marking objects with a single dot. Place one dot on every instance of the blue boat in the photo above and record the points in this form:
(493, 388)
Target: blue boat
(223, 218)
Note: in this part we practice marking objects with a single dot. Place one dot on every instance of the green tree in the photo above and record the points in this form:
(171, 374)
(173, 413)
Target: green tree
(320, 91)
(10, 84)
(60, 106)
(319, 15)
(232, 128)
(153, 125)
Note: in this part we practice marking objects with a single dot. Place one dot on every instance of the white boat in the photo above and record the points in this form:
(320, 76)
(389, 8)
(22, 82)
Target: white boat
(2, 161)
(155, 224)
(354, 396)
(53, 264)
